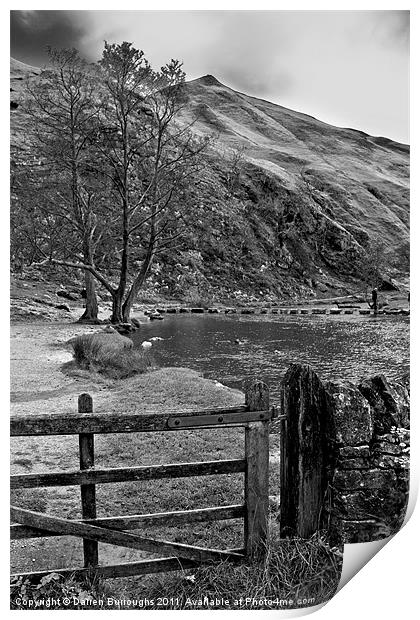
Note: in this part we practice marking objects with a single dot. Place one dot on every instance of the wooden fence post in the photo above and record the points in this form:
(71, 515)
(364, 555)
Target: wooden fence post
(306, 452)
(285, 505)
(256, 473)
(88, 491)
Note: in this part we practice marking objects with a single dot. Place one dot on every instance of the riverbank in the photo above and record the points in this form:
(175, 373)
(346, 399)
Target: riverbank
(43, 374)
(35, 300)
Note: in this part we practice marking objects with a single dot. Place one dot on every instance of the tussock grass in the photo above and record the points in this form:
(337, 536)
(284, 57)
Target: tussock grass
(293, 573)
(110, 354)
(94, 347)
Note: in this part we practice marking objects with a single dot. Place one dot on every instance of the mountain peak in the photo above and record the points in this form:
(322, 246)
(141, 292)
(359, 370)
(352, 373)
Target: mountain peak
(209, 80)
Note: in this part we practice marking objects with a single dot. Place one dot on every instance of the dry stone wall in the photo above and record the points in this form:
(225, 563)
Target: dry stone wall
(344, 456)
(370, 484)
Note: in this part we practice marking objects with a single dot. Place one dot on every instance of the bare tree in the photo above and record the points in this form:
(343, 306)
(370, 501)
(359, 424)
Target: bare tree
(61, 107)
(122, 162)
(147, 157)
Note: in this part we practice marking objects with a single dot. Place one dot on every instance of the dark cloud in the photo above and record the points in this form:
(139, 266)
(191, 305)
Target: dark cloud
(32, 31)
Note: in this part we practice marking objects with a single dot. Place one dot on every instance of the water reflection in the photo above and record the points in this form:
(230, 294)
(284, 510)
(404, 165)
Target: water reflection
(340, 346)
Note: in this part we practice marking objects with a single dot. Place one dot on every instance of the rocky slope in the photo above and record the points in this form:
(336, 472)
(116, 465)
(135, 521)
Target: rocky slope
(290, 205)
(364, 177)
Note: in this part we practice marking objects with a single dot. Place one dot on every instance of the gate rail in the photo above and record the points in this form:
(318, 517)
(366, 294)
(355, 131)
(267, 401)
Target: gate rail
(254, 416)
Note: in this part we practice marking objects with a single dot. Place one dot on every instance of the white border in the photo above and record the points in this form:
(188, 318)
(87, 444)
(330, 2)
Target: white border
(387, 586)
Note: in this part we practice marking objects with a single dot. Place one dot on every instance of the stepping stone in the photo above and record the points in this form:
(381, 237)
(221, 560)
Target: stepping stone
(171, 310)
(197, 310)
(293, 311)
(335, 311)
(213, 310)
(319, 311)
(184, 310)
(304, 311)
(348, 311)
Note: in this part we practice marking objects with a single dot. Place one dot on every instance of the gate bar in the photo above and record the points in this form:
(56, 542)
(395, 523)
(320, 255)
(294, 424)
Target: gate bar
(115, 537)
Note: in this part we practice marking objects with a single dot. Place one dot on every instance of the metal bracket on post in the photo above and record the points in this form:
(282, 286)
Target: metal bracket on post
(227, 419)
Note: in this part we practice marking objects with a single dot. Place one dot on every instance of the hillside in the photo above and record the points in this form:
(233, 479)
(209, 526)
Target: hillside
(290, 205)
(366, 177)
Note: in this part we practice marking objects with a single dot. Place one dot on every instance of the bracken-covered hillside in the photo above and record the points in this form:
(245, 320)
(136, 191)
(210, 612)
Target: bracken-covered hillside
(288, 205)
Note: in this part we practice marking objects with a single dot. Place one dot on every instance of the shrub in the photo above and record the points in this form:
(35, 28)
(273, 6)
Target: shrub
(110, 354)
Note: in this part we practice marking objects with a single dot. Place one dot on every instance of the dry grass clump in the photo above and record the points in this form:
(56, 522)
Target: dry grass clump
(110, 354)
(293, 573)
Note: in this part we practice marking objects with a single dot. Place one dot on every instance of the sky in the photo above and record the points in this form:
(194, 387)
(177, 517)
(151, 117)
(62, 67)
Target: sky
(347, 68)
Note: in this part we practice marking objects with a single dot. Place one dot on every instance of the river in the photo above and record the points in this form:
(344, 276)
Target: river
(346, 347)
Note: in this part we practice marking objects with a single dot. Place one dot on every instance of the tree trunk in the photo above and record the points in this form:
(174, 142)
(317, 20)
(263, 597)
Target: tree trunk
(91, 308)
(137, 284)
(117, 312)
(143, 273)
(128, 304)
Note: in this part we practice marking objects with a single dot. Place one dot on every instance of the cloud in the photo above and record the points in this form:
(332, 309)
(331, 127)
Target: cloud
(32, 31)
(252, 62)
(392, 28)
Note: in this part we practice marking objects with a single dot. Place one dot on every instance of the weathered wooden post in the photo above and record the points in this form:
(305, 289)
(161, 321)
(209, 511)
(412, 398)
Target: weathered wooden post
(256, 473)
(88, 491)
(307, 452)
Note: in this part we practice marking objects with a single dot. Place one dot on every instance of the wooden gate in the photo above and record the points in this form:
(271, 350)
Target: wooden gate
(254, 416)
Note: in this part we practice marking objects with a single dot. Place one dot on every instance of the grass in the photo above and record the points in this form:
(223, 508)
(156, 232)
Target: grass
(110, 354)
(292, 573)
